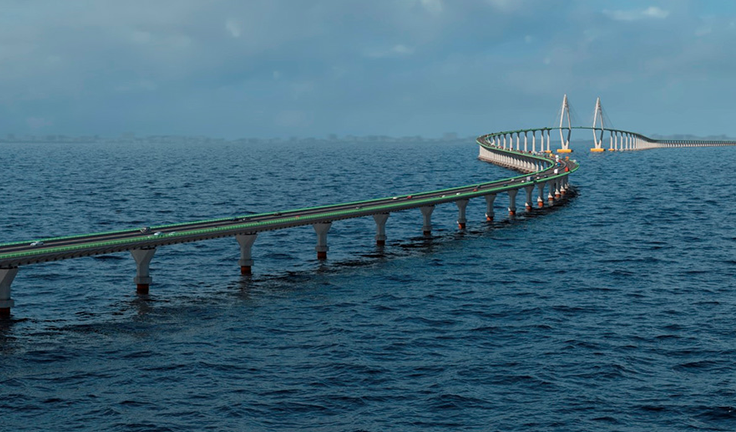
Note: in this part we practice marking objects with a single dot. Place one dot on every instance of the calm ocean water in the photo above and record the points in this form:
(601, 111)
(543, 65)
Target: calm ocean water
(615, 311)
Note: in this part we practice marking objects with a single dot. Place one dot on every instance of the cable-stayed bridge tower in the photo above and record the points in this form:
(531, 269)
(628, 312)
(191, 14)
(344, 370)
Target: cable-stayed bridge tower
(598, 138)
(565, 112)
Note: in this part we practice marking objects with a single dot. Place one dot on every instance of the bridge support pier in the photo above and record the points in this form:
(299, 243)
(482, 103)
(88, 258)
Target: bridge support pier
(246, 243)
(461, 206)
(540, 198)
(380, 220)
(529, 192)
(550, 195)
(512, 201)
(489, 206)
(427, 219)
(142, 259)
(6, 279)
(321, 229)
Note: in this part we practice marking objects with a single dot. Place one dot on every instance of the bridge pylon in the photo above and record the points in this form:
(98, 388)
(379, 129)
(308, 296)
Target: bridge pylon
(598, 139)
(565, 112)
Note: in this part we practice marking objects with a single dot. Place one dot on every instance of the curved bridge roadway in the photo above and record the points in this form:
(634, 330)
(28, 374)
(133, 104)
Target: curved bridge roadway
(538, 169)
(618, 139)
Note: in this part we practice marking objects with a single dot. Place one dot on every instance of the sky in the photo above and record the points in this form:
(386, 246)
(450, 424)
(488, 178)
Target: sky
(282, 68)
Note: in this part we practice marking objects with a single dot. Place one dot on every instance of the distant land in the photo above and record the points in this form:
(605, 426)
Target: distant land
(153, 139)
(692, 137)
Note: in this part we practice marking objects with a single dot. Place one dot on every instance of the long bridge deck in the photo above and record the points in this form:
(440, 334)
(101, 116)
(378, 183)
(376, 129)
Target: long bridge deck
(537, 171)
(51, 249)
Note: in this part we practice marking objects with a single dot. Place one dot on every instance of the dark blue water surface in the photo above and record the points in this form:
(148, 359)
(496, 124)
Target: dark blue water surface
(615, 311)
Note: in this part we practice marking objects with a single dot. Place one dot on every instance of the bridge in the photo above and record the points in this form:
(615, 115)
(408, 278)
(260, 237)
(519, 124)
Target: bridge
(619, 140)
(539, 170)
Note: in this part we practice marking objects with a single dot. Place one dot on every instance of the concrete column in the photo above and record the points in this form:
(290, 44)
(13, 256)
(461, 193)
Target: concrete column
(557, 188)
(540, 198)
(427, 217)
(550, 196)
(529, 192)
(541, 142)
(321, 229)
(6, 279)
(548, 150)
(534, 141)
(518, 136)
(526, 138)
(504, 141)
(489, 206)
(512, 201)
(461, 205)
(246, 243)
(142, 259)
(380, 219)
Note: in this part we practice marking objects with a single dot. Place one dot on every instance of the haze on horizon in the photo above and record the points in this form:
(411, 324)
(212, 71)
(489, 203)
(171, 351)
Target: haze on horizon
(266, 68)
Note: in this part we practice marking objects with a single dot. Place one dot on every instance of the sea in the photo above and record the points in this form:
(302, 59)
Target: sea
(614, 310)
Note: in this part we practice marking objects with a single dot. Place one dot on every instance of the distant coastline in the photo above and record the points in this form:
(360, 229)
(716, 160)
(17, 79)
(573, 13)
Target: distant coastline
(332, 138)
(153, 139)
(692, 137)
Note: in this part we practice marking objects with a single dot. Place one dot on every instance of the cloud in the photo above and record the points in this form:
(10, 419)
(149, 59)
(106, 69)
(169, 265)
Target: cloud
(504, 5)
(238, 68)
(140, 85)
(651, 12)
(399, 50)
(432, 6)
(233, 28)
(292, 119)
(36, 123)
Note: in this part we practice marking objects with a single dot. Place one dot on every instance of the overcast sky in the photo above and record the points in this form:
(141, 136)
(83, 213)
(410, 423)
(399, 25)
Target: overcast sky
(279, 68)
